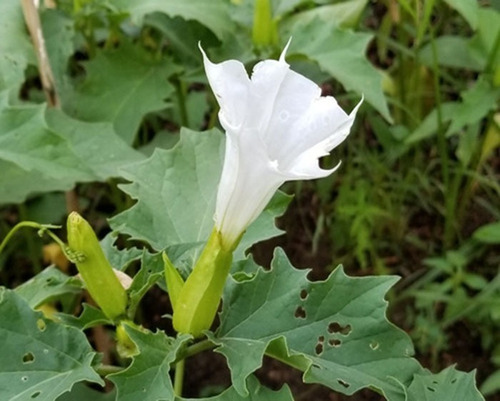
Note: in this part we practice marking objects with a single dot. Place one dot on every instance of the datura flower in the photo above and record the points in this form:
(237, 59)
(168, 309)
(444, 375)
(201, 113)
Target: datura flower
(277, 127)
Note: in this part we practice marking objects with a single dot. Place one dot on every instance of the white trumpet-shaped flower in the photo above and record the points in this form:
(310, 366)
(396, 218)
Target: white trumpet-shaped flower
(277, 127)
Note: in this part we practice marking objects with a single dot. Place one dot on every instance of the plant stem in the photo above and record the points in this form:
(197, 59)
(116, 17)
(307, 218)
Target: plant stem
(198, 347)
(32, 224)
(104, 370)
(179, 377)
(449, 201)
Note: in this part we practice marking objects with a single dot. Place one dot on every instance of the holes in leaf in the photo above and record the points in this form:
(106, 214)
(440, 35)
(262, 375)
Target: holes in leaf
(334, 342)
(303, 295)
(28, 357)
(431, 389)
(343, 383)
(374, 345)
(453, 381)
(41, 324)
(24, 378)
(36, 394)
(300, 312)
(335, 327)
(319, 348)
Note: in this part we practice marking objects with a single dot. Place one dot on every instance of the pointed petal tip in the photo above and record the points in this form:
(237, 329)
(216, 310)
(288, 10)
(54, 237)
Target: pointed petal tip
(283, 53)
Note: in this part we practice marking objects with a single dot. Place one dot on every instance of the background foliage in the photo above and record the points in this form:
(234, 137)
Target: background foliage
(417, 196)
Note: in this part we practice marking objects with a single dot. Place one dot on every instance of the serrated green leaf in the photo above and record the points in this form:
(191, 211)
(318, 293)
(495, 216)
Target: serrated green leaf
(147, 378)
(40, 359)
(256, 392)
(151, 271)
(120, 259)
(122, 85)
(90, 317)
(336, 329)
(47, 285)
(211, 13)
(176, 191)
(448, 385)
(44, 150)
(16, 51)
(341, 53)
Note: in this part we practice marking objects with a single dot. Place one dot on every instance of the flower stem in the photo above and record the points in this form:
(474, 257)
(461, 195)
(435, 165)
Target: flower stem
(41, 227)
(179, 377)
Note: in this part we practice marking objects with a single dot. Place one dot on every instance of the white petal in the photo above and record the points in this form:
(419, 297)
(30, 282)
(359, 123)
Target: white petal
(249, 180)
(306, 164)
(267, 78)
(296, 94)
(230, 84)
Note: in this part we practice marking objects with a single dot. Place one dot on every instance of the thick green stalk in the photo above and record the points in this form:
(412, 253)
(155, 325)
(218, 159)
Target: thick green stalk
(264, 31)
(199, 298)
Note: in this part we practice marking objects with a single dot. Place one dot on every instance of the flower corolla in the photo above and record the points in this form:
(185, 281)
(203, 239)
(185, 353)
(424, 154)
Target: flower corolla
(277, 127)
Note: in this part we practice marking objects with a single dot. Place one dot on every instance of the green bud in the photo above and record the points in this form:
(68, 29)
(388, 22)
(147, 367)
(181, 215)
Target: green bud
(199, 298)
(264, 28)
(173, 279)
(96, 272)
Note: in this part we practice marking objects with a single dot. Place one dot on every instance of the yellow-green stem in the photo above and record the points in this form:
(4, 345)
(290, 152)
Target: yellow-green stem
(179, 377)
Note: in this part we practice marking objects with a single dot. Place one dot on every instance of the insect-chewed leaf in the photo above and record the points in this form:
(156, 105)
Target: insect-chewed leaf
(40, 359)
(335, 330)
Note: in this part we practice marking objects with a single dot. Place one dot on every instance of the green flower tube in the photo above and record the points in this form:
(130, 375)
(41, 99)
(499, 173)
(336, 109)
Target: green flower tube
(95, 269)
(198, 300)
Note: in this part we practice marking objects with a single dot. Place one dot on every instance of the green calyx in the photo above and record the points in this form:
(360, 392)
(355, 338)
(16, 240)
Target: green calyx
(94, 268)
(197, 302)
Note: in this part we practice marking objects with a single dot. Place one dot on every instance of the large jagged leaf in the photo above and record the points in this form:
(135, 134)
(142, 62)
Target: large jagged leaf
(256, 392)
(176, 191)
(91, 316)
(44, 150)
(16, 51)
(341, 53)
(47, 285)
(147, 378)
(59, 35)
(40, 359)
(122, 85)
(211, 13)
(335, 330)
(447, 385)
